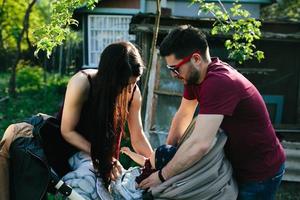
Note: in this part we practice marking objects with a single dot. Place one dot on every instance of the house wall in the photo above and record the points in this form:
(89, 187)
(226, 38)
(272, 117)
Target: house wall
(184, 9)
(277, 77)
(131, 7)
(283, 79)
(135, 4)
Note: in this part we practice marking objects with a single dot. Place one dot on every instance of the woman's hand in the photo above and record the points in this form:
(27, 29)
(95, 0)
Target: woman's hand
(116, 170)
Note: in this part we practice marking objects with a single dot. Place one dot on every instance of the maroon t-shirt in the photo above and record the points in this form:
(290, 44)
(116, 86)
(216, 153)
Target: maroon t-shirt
(252, 146)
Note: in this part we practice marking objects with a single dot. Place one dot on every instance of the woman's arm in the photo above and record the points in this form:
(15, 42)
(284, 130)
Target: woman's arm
(139, 159)
(76, 95)
(139, 141)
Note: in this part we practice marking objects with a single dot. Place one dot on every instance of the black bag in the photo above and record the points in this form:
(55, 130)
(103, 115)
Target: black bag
(29, 171)
(35, 161)
(57, 150)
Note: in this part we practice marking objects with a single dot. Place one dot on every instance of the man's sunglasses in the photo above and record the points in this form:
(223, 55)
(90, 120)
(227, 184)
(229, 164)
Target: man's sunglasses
(174, 68)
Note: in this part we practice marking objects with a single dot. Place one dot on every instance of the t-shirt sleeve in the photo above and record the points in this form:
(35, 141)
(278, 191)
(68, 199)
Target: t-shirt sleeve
(219, 95)
(188, 92)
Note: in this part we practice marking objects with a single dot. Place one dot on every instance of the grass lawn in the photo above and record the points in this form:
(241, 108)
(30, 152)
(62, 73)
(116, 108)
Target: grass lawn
(46, 99)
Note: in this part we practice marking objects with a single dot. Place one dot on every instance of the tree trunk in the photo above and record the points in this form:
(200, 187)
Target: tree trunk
(61, 47)
(1, 25)
(12, 81)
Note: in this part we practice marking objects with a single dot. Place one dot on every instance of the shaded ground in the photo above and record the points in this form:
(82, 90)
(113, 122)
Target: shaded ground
(288, 191)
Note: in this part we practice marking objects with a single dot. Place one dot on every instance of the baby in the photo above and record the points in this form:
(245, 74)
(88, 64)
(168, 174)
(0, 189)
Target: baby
(125, 186)
(158, 159)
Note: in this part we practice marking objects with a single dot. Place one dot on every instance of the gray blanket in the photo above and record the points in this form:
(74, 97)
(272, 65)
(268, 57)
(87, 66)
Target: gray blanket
(210, 178)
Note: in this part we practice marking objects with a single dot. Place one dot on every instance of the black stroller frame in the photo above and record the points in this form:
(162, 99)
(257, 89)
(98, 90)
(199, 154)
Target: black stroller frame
(31, 176)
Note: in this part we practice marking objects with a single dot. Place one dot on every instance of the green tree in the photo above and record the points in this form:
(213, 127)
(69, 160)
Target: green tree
(16, 21)
(12, 15)
(241, 32)
(283, 10)
(51, 20)
(19, 38)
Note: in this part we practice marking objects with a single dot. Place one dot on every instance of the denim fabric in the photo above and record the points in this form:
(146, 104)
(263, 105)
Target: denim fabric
(124, 188)
(261, 190)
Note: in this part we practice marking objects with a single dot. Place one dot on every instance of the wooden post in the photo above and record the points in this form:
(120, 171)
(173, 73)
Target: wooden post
(150, 95)
(298, 107)
(153, 45)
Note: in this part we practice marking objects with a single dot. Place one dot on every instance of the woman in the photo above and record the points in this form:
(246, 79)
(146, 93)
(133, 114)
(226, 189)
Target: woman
(97, 105)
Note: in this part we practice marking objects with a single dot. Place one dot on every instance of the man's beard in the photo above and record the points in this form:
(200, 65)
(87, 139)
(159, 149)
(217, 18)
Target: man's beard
(193, 77)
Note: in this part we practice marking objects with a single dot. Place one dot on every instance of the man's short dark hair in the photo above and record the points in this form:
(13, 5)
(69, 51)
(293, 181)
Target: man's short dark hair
(183, 41)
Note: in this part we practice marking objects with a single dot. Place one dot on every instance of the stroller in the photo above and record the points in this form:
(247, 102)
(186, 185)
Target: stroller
(37, 162)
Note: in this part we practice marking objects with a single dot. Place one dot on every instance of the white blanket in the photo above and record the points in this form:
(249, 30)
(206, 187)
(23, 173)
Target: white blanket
(83, 180)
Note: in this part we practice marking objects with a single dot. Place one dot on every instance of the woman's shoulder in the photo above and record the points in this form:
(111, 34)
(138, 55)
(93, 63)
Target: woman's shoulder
(92, 71)
(82, 76)
(80, 81)
(136, 96)
(136, 92)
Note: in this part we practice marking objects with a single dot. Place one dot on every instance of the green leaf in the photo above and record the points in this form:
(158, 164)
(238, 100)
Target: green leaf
(244, 31)
(214, 31)
(260, 55)
(57, 30)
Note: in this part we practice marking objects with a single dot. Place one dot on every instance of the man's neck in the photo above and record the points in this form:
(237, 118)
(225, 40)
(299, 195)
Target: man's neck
(203, 70)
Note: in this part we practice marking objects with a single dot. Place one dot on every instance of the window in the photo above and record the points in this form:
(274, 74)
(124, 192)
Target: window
(274, 105)
(104, 30)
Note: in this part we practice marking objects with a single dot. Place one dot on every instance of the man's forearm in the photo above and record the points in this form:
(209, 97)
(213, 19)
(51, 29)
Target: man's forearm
(178, 127)
(186, 156)
(172, 139)
(195, 146)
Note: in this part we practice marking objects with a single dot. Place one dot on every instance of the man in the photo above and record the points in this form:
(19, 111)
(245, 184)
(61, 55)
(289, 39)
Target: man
(226, 100)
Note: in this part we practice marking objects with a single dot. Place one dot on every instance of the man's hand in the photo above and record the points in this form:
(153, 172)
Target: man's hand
(116, 170)
(152, 180)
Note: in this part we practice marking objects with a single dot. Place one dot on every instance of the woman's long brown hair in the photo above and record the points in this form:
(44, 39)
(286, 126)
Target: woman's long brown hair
(118, 62)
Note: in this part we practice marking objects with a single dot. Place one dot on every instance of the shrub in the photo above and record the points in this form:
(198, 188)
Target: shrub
(47, 100)
(29, 77)
(58, 83)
